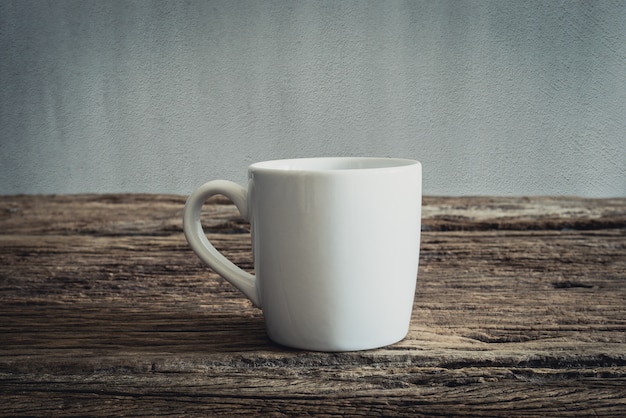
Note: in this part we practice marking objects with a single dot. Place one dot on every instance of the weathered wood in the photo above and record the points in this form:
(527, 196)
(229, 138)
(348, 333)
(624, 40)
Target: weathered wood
(104, 310)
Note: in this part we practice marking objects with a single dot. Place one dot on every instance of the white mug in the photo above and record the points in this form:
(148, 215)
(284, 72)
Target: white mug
(335, 244)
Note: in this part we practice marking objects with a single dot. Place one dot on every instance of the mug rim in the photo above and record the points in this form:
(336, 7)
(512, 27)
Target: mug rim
(331, 164)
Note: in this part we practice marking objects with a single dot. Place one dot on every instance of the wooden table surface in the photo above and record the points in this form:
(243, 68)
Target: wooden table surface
(520, 309)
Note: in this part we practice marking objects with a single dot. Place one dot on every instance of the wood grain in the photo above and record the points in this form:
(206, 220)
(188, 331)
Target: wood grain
(104, 311)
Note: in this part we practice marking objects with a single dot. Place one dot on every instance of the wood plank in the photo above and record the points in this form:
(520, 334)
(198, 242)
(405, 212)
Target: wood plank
(520, 310)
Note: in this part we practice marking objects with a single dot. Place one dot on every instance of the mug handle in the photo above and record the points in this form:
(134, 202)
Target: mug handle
(200, 244)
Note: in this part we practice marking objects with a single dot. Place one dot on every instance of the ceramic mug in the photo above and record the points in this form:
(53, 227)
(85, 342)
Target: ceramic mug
(336, 248)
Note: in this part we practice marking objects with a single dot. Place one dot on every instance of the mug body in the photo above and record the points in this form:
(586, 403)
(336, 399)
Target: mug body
(336, 249)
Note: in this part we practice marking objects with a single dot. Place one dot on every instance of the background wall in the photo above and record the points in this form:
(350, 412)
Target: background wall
(494, 97)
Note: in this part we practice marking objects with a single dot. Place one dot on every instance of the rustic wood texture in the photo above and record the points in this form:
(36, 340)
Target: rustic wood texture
(520, 310)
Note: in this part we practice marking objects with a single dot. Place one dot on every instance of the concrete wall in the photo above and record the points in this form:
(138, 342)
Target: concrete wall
(494, 97)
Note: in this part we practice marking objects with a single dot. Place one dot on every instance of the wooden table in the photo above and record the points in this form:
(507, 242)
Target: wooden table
(104, 310)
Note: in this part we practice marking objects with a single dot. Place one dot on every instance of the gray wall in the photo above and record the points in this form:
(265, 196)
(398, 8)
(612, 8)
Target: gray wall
(494, 97)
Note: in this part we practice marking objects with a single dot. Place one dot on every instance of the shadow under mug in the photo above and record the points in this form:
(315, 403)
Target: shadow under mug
(335, 243)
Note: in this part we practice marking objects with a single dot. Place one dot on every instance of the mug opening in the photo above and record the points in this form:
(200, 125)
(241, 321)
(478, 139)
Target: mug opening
(332, 164)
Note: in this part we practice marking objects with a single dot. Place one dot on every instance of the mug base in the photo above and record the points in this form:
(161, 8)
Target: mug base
(337, 346)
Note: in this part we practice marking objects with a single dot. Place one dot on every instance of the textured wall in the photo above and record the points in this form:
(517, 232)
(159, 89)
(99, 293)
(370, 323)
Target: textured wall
(494, 97)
